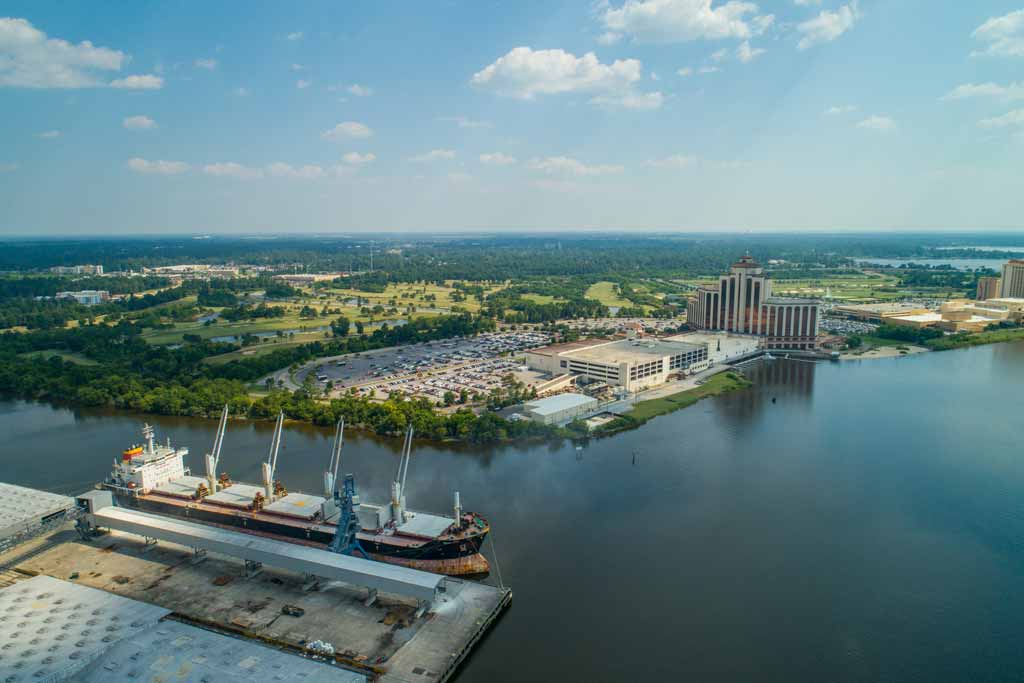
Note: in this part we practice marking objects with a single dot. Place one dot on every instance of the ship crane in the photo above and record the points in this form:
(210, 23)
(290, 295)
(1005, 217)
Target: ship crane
(270, 466)
(345, 501)
(398, 485)
(331, 473)
(213, 457)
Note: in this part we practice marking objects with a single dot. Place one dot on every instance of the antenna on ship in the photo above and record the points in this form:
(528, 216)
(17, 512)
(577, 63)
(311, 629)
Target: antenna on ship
(213, 457)
(270, 466)
(331, 475)
(147, 431)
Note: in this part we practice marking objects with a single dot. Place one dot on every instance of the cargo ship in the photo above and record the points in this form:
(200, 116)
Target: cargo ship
(153, 477)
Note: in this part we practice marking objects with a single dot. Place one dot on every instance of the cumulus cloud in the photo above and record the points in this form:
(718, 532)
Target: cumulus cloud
(48, 134)
(140, 82)
(497, 159)
(231, 169)
(359, 90)
(208, 64)
(31, 59)
(1011, 91)
(279, 169)
(157, 166)
(673, 161)
(878, 123)
(719, 55)
(241, 92)
(295, 35)
(570, 166)
(840, 109)
(1003, 36)
(1013, 118)
(464, 122)
(525, 73)
(745, 53)
(609, 38)
(302, 84)
(355, 158)
(434, 155)
(685, 71)
(138, 123)
(672, 21)
(346, 130)
(828, 25)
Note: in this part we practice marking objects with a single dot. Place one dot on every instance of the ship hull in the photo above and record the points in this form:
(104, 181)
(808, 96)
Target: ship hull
(453, 557)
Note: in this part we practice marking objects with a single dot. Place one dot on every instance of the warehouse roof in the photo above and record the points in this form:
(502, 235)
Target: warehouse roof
(21, 507)
(633, 350)
(555, 404)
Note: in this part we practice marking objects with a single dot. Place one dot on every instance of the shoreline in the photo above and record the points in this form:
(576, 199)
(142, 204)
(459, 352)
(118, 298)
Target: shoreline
(885, 352)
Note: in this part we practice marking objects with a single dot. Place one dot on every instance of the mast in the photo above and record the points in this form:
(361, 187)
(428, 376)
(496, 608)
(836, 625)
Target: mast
(270, 466)
(398, 485)
(213, 457)
(331, 474)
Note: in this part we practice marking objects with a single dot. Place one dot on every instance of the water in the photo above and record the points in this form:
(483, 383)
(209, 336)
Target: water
(959, 263)
(866, 526)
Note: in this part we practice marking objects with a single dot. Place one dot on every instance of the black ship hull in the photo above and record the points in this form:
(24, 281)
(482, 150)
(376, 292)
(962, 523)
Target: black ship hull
(404, 551)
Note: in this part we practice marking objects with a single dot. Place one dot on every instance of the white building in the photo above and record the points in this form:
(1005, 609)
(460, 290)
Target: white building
(561, 408)
(86, 297)
(631, 363)
(723, 347)
(1013, 280)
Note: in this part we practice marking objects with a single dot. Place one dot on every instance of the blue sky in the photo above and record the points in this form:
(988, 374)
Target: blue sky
(399, 116)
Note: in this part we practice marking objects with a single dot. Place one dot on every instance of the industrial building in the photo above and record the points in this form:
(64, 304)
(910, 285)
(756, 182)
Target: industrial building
(742, 302)
(86, 297)
(879, 313)
(560, 408)
(961, 315)
(1013, 280)
(633, 364)
(722, 347)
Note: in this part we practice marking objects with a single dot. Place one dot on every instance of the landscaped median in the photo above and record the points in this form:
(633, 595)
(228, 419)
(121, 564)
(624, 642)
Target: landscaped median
(643, 411)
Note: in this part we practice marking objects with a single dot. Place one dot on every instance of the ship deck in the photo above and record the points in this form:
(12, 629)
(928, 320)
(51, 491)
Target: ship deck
(384, 640)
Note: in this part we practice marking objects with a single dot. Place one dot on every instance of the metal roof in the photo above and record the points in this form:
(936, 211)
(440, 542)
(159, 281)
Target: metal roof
(237, 495)
(182, 486)
(49, 628)
(22, 507)
(423, 524)
(554, 404)
(298, 558)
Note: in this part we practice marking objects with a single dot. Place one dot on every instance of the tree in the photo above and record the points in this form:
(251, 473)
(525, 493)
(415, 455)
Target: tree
(341, 326)
(359, 327)
(449, 398)
(463, 396)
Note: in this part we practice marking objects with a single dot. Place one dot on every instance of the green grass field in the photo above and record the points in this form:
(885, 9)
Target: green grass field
(608, 294)
(719, 384)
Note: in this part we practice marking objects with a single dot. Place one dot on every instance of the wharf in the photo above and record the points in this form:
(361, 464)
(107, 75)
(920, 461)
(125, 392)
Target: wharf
(384, 641)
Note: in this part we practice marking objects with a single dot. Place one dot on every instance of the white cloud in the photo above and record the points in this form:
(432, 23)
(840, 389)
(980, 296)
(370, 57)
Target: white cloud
(609, 38)
(241, 92)
(806, 3)
(434, 155)
(157, 166)
(302, 84)
(139, 123)
(359, 90)
(1013, 118)
(708, 70)
(356, 158)
(208, 64)
(231, 169)
(138, 82)
(1004, 36)
(295, 35)
(279, 169)
(298, 67)
(878, 123)
(674, 161)
(29, 59)
(48, 134)
(828, 25)
(840, 109)
(630, 100)
(685, 71)
(8, 167)
(524, 73)
(497, 159)
(719, 55)
(348, 129)
(463, 122)
(746, 54)
(670, 21)
(570, 166)
(1012, 91)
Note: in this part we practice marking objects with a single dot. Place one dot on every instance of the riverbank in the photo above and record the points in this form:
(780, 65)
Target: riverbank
(883, 352)
(644, 411)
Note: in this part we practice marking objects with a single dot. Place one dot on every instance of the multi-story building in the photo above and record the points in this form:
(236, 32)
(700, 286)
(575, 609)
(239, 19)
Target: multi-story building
(988, 288)
(1013, 280)
(78, 270)
(86, 297)
(743, 303)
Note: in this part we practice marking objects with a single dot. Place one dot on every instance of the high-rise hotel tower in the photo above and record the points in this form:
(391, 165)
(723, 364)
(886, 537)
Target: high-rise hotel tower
(743, 303)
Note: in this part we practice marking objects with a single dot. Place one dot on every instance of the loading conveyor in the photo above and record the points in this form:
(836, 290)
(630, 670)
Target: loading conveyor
(376, 576)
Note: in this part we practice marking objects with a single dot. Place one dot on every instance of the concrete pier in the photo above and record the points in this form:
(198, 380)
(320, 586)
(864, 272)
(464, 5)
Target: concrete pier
(386, 639)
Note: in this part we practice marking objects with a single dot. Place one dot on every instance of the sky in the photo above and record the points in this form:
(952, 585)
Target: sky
(631, 115)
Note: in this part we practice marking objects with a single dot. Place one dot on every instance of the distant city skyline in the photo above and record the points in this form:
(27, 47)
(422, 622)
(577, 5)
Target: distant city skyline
(639, 115)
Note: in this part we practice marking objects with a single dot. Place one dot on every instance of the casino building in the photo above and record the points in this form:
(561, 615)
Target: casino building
(743, 303)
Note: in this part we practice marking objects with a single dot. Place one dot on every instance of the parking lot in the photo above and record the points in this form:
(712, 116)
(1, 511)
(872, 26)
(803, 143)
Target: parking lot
(427, 369)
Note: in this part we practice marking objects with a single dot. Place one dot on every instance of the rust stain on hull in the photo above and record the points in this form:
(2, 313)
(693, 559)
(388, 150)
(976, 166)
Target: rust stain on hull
(467, 565)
